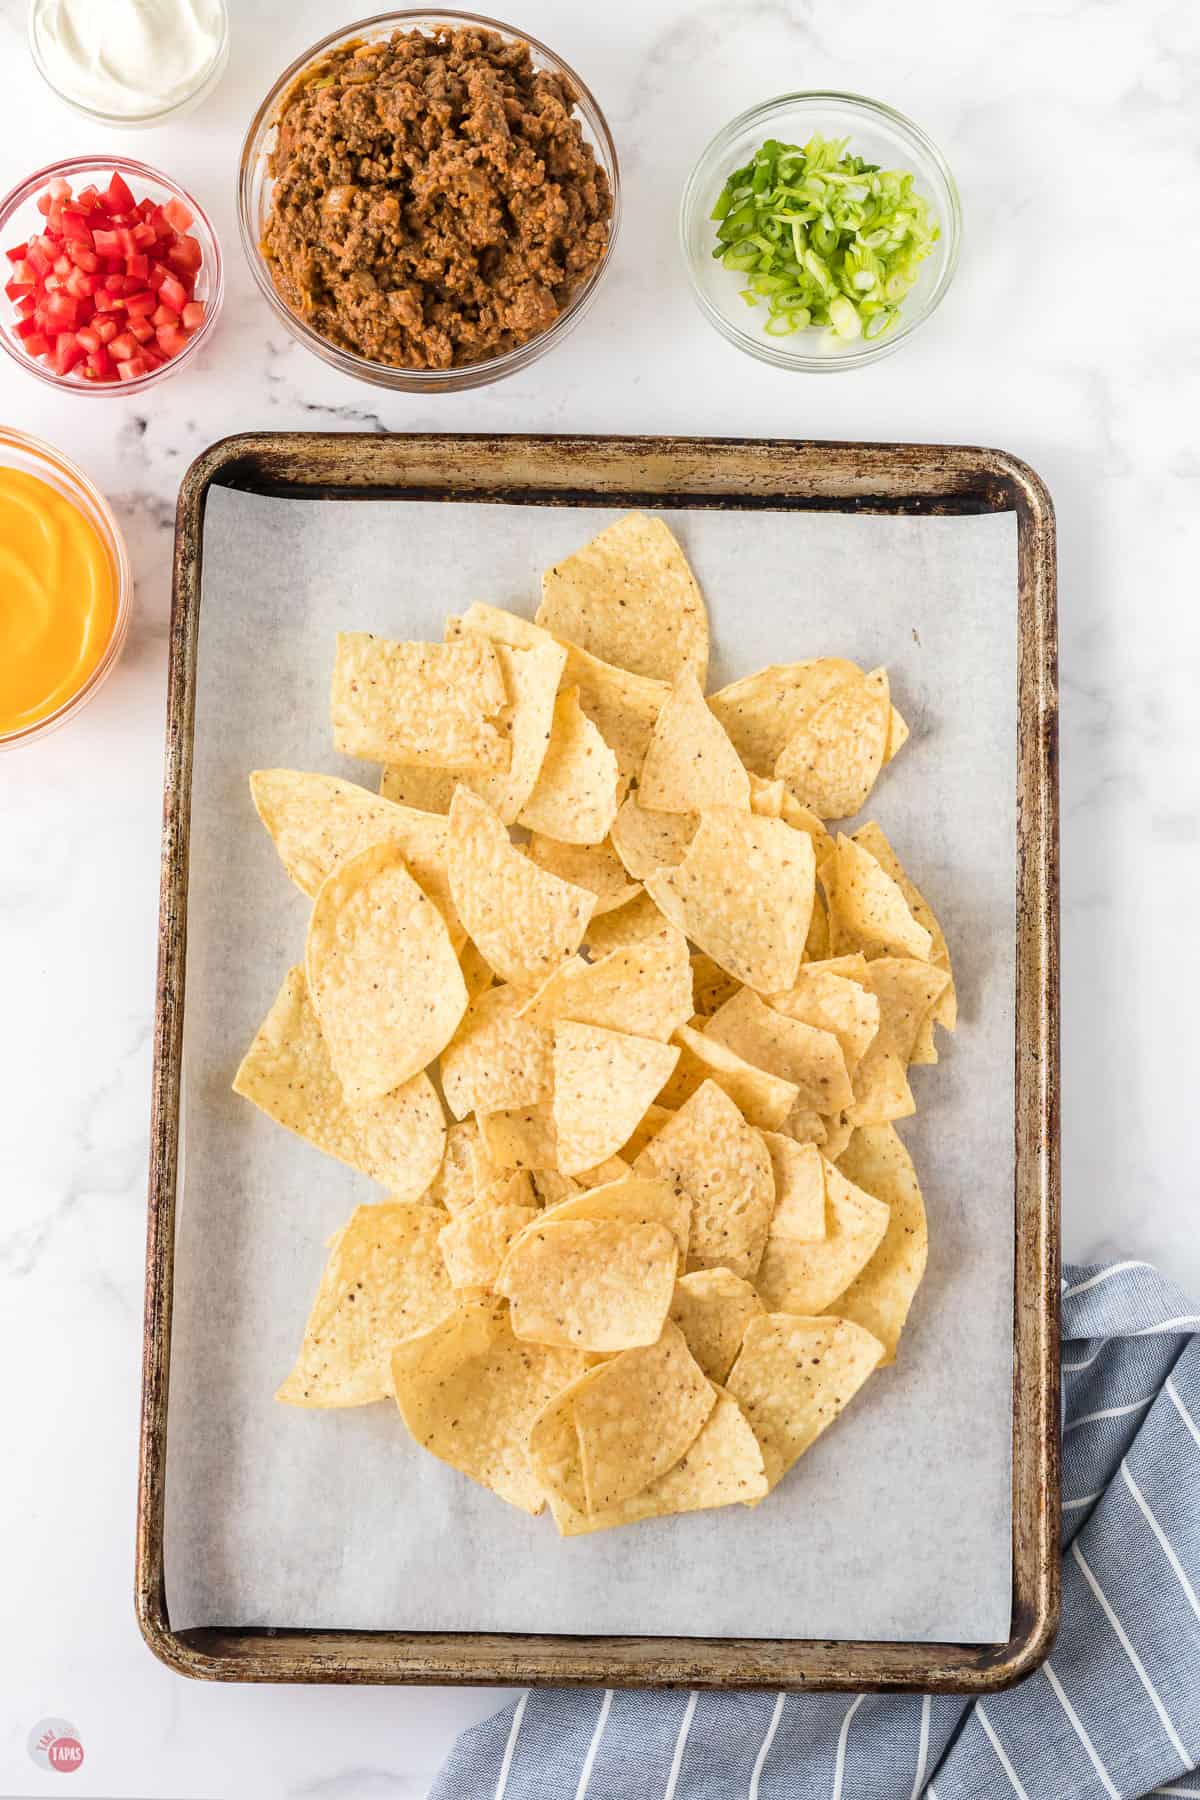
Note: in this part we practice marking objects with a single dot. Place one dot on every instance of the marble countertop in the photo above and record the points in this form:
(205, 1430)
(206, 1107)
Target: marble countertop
(1071, 128)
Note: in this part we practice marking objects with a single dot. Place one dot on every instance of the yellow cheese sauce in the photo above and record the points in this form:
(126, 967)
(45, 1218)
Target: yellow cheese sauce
(58, 599)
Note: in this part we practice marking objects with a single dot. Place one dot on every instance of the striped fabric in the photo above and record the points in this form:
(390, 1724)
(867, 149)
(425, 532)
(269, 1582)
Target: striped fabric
(1113, 1715)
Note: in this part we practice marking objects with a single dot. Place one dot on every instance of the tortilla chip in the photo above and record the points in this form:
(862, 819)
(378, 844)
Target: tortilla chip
(633, 923)
(475, 1243)
(767, 796)
(424, 788)
(838, 1132)
(638, 1417)
(880, 1296)
(722, 1467)
(867, 910)
(476, 974)
(499, 626)
(465, 1167)
(469, 1392)
(596, 867)
(317, 821)
(644, 988)
(524, 920)
(907, 991)
(382, 974)
(762, 711)
(711, 986)
(650, 1124)
(709, 1151)
(743, 893)
(603, 1082)
(622, 706)
(807, 1278)
(712, 1308)
(520, 1139)
(831, 763)
(804, 1126)
(531, 680)
(419, 703)
(383, 1281)
(898, 735)
(637, 1199)
(554, 1451)
(799, 1171)
(575, 799)
(800, 818)
(794, 1376)
(945, 1012)
(832, 1002)
(593, 1284)
(630, 597)
(763, 1098)
(497, 1060)
(613, 1168)
(397, 1139)
(810, 1059)
(646, 841)
(690, 764)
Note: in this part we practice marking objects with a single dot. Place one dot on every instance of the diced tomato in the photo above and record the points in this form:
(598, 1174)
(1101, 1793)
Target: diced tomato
(75, 227)
(174, 294)
(105, 291)
(65, 308)
(67, 352)
(117, 196)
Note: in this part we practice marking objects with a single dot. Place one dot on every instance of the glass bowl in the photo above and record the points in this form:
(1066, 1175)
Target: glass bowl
(137, 121)
(20, 219)
(18, 451)
(875, 131)
(254, 199)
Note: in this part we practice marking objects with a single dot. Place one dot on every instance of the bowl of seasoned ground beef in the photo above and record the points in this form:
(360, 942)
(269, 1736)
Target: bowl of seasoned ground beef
(428, 201)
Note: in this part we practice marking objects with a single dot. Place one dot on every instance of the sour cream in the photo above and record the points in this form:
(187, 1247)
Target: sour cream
(128, 59)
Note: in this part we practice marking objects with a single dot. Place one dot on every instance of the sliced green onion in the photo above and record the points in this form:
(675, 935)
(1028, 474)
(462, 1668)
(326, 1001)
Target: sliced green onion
(826, 239)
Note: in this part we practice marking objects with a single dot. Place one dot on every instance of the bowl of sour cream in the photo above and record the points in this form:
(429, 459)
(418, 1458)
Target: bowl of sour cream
(130, 62)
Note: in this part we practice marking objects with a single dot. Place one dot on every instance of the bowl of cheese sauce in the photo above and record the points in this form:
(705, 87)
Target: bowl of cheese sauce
(66, 590)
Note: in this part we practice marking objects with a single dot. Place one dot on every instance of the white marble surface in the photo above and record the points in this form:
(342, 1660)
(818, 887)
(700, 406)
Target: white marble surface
(1070, 337)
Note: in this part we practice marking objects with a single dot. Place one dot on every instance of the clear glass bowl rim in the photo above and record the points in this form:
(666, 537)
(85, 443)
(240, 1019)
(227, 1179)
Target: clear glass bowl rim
(465, 375)
(951, 229)
(124, 165)
(71, 476)
(137, 121)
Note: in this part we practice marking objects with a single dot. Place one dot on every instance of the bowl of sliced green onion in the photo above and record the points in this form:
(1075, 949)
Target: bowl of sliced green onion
(820, 230)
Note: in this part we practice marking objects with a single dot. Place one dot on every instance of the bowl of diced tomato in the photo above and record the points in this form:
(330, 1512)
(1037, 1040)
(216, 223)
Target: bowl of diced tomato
(111, 275)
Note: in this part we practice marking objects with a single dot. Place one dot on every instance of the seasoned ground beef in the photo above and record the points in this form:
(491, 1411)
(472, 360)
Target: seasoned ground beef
(435, 200)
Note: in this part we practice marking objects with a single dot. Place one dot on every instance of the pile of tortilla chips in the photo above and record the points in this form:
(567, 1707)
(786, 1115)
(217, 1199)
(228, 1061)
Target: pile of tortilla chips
(621, 1027)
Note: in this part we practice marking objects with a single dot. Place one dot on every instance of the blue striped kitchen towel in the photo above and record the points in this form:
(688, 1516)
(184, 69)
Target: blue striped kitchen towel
(1114, 1713)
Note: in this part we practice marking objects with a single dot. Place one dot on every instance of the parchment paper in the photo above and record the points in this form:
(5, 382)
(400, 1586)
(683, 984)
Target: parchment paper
(897, 1524)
